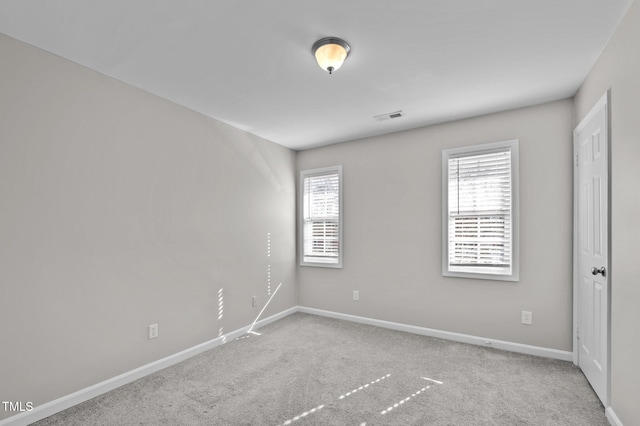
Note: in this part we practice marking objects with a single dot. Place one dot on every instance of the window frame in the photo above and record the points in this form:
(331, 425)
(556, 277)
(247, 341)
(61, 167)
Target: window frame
(481, 272)
(318, 172)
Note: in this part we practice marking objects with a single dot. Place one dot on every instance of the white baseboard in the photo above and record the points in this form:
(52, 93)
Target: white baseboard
(611, 416)
(67, 401)
(447, 335)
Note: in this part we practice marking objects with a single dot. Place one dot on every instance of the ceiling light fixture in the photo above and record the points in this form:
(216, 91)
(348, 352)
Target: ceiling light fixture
(330, 52)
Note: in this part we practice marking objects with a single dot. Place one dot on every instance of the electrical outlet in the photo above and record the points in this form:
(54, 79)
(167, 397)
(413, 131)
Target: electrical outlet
(254, 301)
(153, 331)
(527, 317)
(356, 295)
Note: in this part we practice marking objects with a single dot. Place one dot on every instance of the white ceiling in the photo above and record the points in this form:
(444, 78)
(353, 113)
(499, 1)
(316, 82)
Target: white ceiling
(249, 63)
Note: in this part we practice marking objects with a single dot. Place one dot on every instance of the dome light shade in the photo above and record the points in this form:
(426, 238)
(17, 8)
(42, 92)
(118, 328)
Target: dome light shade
(330, 52)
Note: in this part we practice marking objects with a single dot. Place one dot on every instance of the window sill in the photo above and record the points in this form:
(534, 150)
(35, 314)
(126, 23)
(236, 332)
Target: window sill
(479, 274)
(322, 265)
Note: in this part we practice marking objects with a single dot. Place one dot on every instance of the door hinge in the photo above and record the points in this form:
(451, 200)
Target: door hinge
(577, 161)
(578, 333)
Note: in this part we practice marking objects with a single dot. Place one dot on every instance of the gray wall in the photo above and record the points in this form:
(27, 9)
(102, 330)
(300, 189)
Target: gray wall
(619, 69)
(117, 210)
(392, 231)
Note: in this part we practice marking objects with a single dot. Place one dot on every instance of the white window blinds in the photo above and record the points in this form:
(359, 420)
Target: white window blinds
(480, 217)
(321, 217)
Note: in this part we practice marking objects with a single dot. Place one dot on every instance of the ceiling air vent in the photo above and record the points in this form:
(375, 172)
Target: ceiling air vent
(388, 116)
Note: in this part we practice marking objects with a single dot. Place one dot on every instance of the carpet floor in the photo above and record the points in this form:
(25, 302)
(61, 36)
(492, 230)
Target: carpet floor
(311, 370)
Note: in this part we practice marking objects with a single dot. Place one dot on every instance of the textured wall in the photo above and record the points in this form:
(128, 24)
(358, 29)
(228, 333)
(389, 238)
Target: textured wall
(118, 210)
(392, 231)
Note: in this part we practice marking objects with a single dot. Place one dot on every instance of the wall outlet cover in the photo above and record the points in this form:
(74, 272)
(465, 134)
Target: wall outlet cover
(153, 331)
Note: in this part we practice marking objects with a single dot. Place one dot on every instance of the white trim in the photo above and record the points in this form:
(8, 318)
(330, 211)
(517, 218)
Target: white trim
(575, 248)
(447, 335)
(603, 102)
(611, 416)
(67, 401)
(513, 146)
(311, 172)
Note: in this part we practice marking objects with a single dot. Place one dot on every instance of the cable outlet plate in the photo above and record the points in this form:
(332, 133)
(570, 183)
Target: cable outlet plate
(356, 295)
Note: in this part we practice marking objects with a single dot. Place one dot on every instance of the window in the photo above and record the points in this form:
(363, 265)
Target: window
(321, 223)
(480, 211)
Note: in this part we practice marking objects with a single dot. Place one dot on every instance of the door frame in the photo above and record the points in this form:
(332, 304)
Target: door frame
(604, 101)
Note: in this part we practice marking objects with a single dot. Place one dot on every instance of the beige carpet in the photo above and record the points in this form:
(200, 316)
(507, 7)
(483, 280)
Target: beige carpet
(310, 370)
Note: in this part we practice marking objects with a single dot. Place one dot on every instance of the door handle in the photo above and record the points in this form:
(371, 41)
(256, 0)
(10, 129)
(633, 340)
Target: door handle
(596, 271)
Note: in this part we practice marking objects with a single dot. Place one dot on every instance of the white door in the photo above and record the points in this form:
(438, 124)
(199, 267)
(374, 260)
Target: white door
(591, 269)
